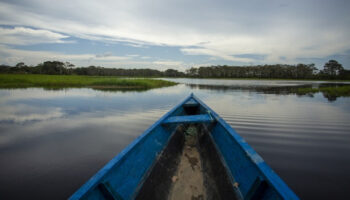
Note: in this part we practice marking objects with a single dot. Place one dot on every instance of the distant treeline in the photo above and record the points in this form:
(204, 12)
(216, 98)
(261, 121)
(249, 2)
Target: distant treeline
(61, 68)
(332, 70)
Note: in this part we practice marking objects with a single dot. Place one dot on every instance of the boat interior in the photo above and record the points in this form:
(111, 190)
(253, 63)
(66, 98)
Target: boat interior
(190, 153)
(189, 167)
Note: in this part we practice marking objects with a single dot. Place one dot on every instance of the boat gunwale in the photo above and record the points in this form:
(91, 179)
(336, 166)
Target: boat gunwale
(271, 177)
(96, 178)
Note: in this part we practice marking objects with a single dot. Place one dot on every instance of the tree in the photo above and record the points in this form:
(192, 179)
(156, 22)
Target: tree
(192, 72)
(53, 67)
(305, 71)
(21, 64)
(332, 68)
(173, 73)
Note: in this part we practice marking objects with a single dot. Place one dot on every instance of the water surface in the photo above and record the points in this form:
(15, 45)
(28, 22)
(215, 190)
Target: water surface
(52, 141)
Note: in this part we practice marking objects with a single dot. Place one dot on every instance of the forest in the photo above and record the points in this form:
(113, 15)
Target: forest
(332, 70)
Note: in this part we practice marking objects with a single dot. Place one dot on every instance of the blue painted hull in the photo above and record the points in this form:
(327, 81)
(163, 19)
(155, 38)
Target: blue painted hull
(126, 175)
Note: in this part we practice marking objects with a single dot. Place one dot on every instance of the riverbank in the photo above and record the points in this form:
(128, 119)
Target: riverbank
(332, 91)
(264, 79)
(64, 81)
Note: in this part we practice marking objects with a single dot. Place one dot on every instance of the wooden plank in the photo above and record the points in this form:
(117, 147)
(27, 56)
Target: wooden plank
(186, 119)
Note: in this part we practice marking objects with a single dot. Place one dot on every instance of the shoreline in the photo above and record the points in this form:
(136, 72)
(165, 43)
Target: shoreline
(78, 81)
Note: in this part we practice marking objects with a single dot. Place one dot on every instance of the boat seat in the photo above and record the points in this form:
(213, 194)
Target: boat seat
(187, 119)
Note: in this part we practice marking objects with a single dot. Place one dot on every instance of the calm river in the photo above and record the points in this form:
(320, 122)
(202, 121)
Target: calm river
(52, 141)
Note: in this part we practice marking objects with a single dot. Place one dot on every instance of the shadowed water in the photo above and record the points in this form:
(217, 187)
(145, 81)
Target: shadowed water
(51, 142)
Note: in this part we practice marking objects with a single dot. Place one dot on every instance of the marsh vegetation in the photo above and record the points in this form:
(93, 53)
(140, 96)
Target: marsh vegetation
(65, 81)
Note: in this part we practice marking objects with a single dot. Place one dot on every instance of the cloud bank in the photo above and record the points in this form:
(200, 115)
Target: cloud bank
(278, 31)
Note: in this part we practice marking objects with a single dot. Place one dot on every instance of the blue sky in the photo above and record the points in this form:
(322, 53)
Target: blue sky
(177, 34)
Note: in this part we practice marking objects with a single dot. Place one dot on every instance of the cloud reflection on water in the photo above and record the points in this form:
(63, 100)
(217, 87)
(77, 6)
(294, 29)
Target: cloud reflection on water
(65, 136)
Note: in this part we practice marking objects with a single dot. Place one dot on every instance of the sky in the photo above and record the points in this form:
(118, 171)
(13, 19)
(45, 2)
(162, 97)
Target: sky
(179, 34)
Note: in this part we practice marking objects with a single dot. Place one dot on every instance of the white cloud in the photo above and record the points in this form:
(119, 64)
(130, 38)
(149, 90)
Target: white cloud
(23, 113)
(25, 36)
(106, 54)
(215, 53)
(11, 56)
(296, 29)
(133, 55)
(168, 62)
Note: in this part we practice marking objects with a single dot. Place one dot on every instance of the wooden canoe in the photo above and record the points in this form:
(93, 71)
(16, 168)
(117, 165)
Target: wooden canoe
(189, 153)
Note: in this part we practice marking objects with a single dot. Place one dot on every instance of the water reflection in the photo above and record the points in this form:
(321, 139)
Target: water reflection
(111, 89)
(243, 82)
(52, 141)
(302, 90)
(63, 137)
(23, 113)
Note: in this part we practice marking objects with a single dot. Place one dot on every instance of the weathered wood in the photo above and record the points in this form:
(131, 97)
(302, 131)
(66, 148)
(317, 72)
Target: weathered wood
(157, 183)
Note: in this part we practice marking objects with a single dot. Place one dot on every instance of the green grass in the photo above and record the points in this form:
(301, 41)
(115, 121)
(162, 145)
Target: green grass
(332, 91)
(66, 81)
